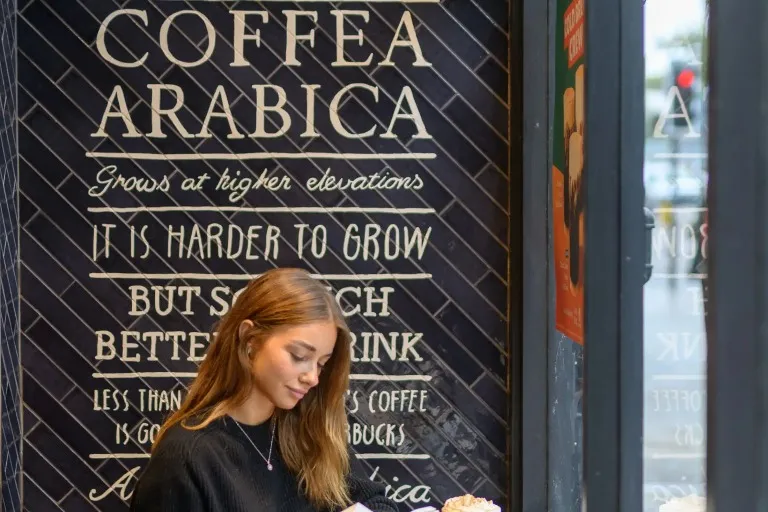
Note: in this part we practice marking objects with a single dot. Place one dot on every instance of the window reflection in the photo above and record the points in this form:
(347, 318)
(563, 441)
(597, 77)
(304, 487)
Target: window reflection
(675, 176)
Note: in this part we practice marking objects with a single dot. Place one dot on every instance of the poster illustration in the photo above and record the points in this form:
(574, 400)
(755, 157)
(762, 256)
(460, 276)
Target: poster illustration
(568, 170)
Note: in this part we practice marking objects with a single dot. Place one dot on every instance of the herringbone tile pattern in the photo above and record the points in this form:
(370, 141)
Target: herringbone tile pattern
(454, 302)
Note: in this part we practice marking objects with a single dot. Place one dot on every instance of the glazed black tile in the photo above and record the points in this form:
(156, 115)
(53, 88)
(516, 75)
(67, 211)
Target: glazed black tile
(38, 156)
(496, 9)
(493, 289)
(468, 85)
(109, 293)
(486, 349)
(430, 296)
(492, 145)
(496, 184)
(55, 103)
(452, 38)
(428, 83)
(40, 366)
(466, 434)
(27, 316)
(391, 14)
(493, 491)
(100, 424)
(39, 470)
(38, 50)
(69, 153)
(58, 315)
(468, 299)
(55, 416)
(491, 391)
(452, 140)
(79, 90)
(21, 5)
(435, 192)
(450, 351)
(497, 78)
(491, 216)
(493, 250)
(79, 20)
(73, 362)
(45, 265)
(76, 364)
(456, 396)
(473, 21)
(34, 494)
(101, 75)
(76, 502)
(71, 463)
(489, 448)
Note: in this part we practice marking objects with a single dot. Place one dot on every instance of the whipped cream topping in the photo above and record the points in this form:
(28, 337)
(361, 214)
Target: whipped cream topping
(469, 503)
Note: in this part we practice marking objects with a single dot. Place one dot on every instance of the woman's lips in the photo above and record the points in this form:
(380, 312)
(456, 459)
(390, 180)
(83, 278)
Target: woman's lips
(297, 393)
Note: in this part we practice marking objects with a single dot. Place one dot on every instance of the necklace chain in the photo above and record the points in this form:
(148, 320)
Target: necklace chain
(268, 458)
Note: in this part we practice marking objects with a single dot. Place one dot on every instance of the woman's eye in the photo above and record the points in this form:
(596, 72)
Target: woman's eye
(298, 359)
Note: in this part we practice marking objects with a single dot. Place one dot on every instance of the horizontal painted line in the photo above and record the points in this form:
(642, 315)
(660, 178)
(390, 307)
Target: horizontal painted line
(367, 456)
(104, 456)
(146, 375)
(248, 277)
(678, 276)
(191, 375)
(682, 156)
(681, 209)
(393, 456)
(390, 378)
(669, 456)
(676, 377)
(264, 156)
(264, 209)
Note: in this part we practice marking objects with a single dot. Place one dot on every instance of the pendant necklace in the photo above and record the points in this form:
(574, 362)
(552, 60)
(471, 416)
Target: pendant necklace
(268, 458)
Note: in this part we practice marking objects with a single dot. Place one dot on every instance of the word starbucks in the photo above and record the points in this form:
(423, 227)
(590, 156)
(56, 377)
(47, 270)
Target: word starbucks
(267, 97)
(226, 241)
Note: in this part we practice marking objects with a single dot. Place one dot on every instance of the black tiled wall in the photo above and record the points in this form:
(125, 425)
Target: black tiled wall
(452, 298)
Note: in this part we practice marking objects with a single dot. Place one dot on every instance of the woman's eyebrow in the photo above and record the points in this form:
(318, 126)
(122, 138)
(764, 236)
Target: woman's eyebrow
(305, 345)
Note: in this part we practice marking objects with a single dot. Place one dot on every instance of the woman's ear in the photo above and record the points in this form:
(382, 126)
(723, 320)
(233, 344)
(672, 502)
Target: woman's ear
(245, 326)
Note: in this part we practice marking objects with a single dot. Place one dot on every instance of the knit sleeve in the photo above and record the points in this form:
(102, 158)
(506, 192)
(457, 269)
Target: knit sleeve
(170, 483)
(367, 492)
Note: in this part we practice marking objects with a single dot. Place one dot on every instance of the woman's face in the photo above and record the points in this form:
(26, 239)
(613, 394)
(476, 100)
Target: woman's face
(289, 363)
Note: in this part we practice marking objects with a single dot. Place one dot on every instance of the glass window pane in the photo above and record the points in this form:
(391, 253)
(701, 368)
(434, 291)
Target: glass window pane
(675, 175)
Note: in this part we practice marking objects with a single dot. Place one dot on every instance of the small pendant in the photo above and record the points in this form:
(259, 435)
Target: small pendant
(269, 466)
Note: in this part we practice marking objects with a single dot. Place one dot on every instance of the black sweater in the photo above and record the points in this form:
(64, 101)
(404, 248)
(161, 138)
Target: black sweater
(216, 469)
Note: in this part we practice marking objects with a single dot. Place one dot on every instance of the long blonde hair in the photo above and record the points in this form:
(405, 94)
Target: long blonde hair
(313, 435)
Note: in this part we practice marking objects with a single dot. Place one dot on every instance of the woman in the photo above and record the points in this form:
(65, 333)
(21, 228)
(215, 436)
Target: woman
(263, 427)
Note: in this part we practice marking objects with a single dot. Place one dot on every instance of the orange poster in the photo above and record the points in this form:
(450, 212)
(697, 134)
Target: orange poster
(568, 171)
